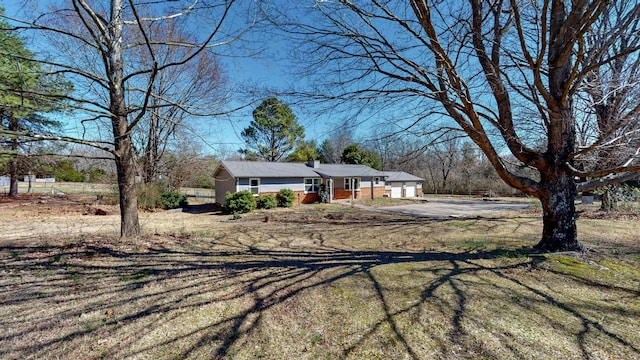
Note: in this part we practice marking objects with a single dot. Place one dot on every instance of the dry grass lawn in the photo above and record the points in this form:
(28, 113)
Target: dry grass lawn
(315, 282)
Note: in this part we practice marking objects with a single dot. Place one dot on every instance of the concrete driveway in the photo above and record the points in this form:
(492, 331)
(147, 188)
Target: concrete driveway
(448, 208)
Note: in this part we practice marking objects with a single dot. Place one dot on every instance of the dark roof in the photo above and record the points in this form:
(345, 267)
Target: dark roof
(346, 170)
(400, 176)
(264, 169)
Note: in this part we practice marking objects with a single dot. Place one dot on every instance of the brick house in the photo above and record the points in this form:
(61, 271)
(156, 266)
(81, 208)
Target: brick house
(341, 181)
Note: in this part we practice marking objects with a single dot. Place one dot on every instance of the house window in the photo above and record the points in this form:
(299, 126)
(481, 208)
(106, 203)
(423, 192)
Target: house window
(254, 186)
(312, 185)
(347, 183)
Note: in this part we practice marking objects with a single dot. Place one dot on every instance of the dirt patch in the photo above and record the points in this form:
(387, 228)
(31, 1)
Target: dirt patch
(55, 218)
(44, 205)
(42, 216)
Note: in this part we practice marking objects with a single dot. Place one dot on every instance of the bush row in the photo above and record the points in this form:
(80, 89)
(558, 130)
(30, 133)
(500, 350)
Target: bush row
(244, 201)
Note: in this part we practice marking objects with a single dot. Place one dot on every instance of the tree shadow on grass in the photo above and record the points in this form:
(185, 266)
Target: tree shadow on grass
(127, 294)
(213, 209)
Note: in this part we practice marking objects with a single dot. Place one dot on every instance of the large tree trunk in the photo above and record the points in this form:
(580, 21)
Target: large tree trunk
(557, 190)
(559, 231)
(125, 167)
(13, 177)
(124, 155)
(129, 222)
(609, 199)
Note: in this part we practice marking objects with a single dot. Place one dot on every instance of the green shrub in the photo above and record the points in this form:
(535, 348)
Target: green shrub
(70, 175)
(96, 175)
(172, 200)
(154, 196)
(286, 197)
(65, 170)
(267, 202)
(240, 202)
(148, 196)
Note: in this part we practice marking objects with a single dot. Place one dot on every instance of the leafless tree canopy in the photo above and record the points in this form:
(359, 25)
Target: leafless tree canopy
(180, 93)
(517, 77)
(120, 56)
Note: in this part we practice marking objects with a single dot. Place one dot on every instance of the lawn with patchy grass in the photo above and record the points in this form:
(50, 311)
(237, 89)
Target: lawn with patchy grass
(316, 282)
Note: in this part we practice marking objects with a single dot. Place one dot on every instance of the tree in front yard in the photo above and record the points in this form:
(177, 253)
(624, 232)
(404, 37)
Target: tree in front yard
(507, 74)
(114, 55)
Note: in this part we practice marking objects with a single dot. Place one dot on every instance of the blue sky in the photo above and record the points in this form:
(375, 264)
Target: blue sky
(264, 59)
(269, 68)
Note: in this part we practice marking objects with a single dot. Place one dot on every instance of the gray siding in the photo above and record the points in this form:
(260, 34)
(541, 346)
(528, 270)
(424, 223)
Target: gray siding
(224, 183)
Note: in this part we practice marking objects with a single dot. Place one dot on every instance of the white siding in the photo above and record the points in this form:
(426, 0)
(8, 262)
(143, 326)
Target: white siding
(396, 190)
(273, 185)
(410, 189)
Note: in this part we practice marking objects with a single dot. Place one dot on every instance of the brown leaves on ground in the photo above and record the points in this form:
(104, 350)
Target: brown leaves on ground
(610, 215)
(323, 281)
(35, 205)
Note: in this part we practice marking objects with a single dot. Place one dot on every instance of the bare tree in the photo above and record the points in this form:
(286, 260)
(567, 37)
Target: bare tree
(98, 46)
(489, 66)
(392, 148)
(179, 94)
(608, 111)
(331, 148)
(446, 155)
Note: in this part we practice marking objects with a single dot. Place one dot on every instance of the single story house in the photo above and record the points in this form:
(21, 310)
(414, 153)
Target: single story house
(400, 184)
(339, 181)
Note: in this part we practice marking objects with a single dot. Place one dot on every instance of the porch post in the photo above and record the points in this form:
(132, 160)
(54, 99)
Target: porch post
(372, 192)
(353, 191)
(330, 190)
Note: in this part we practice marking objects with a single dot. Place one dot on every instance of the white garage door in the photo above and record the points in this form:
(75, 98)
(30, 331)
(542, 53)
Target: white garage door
(411, 190)
(396, 191)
